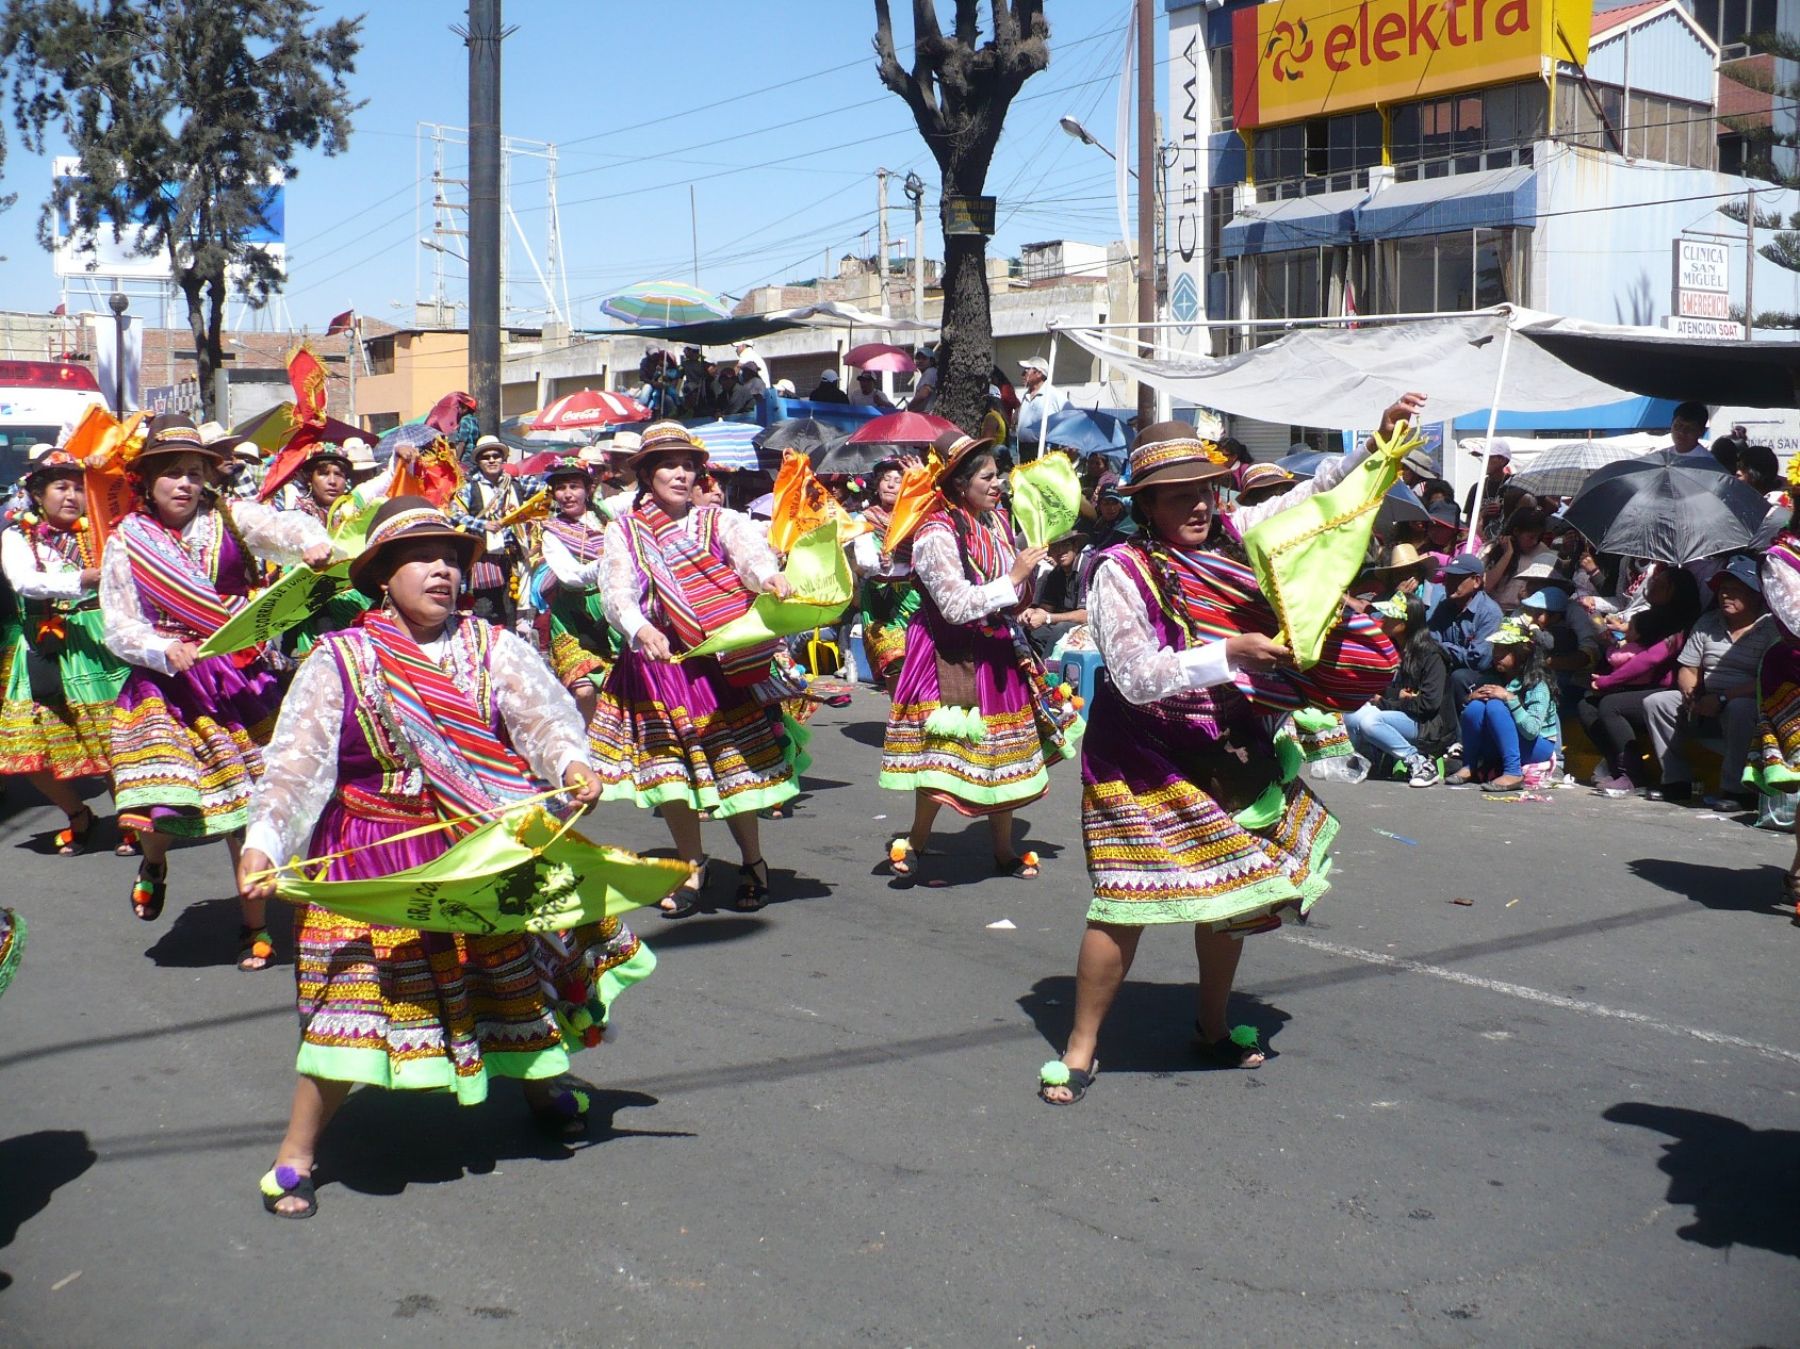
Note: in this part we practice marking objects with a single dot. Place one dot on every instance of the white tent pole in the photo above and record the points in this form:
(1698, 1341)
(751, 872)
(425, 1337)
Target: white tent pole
(1044, 421)
(1493, 421)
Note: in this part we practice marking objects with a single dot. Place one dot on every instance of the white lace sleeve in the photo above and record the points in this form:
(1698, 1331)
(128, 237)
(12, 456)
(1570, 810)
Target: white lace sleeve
(25, 577)
(621, 588)
(276, 536)
(1139, 665)
(747, 545)
(129, 633)
(540, 716)
(300, 764)
(940, 571)
(1332, 470)
(1781, 589)
(569, 573)
(865, 559)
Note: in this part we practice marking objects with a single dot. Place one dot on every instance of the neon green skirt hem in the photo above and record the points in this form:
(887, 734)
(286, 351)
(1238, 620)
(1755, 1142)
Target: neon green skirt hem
(930, 780)
(1773, 779)
(373, 1068)
(1214, 910)
(707, 798)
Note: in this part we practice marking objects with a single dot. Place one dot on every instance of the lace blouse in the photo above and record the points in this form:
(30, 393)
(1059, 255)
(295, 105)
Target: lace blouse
(48, 576)
(624, 590)
(300, 772)
(938, 566)
(281, 537)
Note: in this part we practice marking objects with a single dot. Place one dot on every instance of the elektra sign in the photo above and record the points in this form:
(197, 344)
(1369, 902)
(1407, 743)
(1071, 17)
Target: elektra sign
(1307, 58)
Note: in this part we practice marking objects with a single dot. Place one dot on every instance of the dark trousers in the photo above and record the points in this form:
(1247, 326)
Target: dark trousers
(1613, 721)
(494, 605)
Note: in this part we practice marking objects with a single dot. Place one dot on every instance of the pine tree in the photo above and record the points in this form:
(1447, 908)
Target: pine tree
(959, 89)
(184, 114)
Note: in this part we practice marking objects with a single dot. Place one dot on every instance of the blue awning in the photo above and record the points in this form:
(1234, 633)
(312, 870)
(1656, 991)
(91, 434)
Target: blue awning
(1440, 205)
(1294, 222)
(1630, 414)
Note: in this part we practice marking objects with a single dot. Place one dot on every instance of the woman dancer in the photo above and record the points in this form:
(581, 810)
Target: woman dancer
(1192, 807)
(581, 645)
(61, 682)
(323, 477)
(420, 715)
(188, 731)
(889, 598)
(973, 725)
(1774, 764)
(702, 734)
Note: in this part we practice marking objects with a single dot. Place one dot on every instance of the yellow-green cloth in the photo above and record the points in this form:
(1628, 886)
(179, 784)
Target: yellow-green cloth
(1046, 498)
(819, 574)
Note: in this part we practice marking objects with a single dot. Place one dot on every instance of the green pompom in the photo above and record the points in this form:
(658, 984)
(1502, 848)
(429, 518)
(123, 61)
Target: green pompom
(1313, 719)
(1288, 758)
(1244, 1037)
(1052, 680)
(1056, 1073)
(975, 731)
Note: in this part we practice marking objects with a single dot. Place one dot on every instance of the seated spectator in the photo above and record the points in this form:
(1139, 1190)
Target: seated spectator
(1641, 664)
(1436, 492)
(1414, 720)
(1113, 524)
(1520, 560)
(1715, 694)
(1572, 642)
(1465, 618)
(1757, 466)
(1060, 600)
(868, 394)
(1510, 719)
(827, 390)
(1400, 570)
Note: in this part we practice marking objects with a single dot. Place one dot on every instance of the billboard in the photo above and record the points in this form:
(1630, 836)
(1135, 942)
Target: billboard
(1295, 59)
(1184, 235)
(99, 254)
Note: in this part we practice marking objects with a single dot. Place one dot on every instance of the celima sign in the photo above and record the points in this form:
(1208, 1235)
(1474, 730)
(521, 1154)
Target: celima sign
(1306, 58)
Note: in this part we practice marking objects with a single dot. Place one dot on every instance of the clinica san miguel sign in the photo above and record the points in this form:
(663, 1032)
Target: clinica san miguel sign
(1297, 59)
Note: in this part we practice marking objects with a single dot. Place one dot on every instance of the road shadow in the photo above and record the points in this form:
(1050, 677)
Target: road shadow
(1150, 1028)
(32, 1168)
(870, 733)
(967, 858)
(383, 1141)
(204, 934)
(699, 930)
(1742, 1183)
(1726, 889)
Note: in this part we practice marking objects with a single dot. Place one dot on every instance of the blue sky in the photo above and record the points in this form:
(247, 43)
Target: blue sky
(773, 114)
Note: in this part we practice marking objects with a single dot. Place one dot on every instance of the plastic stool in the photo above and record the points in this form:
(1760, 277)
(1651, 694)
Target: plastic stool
(1079, 670)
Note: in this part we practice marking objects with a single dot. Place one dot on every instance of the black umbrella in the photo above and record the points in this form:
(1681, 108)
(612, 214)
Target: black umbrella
(1666, 510)
(795, 433)
(849, 456)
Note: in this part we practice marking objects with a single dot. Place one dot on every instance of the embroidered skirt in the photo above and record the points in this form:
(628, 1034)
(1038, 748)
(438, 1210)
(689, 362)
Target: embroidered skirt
(1160, 849)
(975, 770)
(12, 945)
(887, 610)
(1774, 764)
(580, 641)
(187, 748)
(395, 1007)
(666, 731)
(70, 737)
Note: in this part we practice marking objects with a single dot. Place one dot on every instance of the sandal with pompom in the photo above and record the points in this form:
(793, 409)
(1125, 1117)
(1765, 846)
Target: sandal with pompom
(73, 841)
(128, 845)
(149, 891)
(563, 1114)
(1056, 1073)
(1023, 867)
(285, 1182)
(753, 889)
(1235, 1050)
(256, 949)
(902, 857)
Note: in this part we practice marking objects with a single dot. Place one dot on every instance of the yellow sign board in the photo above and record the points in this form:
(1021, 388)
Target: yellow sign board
(1309, 58)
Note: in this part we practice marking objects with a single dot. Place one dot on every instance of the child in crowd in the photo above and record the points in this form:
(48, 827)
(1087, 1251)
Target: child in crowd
(1510, 720)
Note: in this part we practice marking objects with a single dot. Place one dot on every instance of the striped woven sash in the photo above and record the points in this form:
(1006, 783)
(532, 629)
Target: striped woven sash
(178, 583)
(1209, 595)
(696, 588)
(465, 764)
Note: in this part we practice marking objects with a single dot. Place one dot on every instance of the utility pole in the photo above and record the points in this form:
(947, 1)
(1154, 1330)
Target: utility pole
(351, 336)
(881, 177)
(1146, 203)
(915, 193)
(484, 36)
(1750, 265)
(694, 225)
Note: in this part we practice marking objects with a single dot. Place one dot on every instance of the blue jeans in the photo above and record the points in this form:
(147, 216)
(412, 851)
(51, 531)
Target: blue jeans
(1490, 738)
(1393, 733)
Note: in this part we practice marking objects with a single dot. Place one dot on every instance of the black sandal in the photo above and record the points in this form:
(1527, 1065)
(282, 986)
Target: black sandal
(1056, 1073)
(149, 892)
(255, 943)
(1023, 868)
(753, 890)
(128, 845)
(284, 1182)
(72, 842)
(564, 1116)
(687, 897)
(1232, 1051)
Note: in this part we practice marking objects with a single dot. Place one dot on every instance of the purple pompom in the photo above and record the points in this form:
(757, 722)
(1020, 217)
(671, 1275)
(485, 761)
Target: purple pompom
(286, 1177)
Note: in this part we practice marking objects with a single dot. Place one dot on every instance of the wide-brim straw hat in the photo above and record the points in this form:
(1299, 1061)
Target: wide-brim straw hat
(666, 438)
(1404, 560)
(175, 433)
(403, 520)
(953, 447)
(1174, 452)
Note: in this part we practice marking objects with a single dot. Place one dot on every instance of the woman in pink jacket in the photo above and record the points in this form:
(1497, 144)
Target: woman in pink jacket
(1613, 713)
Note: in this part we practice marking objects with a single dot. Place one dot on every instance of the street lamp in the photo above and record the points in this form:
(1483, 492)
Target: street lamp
(1086, 137)
(118, 304)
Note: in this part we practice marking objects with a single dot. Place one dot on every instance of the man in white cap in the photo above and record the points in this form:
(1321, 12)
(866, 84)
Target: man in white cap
(246, 470)
(925, 386)
(1499, 469)
(827, 390)
(868, 394)
(1041, 401)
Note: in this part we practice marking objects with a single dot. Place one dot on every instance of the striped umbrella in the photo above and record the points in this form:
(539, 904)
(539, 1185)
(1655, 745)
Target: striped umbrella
(590, 409)
(730, 445)
(664, 304)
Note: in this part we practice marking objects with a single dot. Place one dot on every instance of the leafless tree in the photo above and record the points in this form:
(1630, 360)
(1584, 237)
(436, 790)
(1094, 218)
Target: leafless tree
(959, 89)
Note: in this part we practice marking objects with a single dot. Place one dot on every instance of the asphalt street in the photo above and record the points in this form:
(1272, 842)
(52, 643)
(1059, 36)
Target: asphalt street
(1565, 1112)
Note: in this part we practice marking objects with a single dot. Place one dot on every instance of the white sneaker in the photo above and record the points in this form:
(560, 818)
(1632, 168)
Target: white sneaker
(1424, 773)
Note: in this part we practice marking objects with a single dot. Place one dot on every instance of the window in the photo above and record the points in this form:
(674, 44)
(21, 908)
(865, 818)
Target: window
(1467, 269)
(381, 356)
(1223, 89)
(1280, 153)
(1287, 284)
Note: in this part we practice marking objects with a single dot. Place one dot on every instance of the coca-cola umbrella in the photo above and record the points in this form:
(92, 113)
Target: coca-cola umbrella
(879, 356)
(881, 438)
(590, 409)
